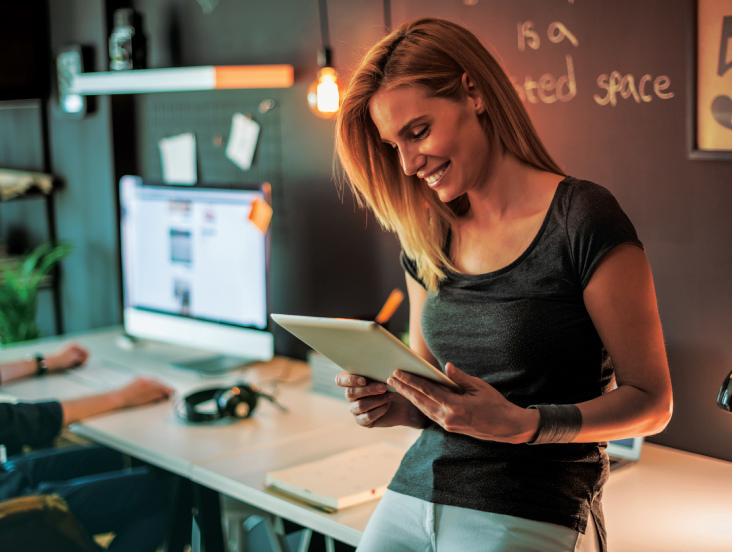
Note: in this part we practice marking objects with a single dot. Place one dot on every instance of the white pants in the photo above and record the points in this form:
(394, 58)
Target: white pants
(401, 523)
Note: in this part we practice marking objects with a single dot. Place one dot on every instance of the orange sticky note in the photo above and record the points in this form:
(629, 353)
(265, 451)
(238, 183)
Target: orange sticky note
(260, 215)
(392, 304)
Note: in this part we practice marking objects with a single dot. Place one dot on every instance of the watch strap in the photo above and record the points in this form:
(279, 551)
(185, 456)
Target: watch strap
(41, 365)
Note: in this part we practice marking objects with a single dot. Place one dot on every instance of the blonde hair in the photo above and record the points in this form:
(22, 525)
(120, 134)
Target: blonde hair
(431, 55)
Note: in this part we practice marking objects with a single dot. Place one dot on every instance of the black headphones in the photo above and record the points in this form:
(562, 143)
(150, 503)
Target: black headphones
(238, 401)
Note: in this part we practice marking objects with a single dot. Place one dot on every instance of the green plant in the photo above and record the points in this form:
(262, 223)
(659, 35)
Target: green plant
(19, 284)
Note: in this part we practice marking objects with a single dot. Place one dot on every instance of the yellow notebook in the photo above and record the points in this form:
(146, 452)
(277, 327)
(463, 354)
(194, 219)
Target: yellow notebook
(341, 480)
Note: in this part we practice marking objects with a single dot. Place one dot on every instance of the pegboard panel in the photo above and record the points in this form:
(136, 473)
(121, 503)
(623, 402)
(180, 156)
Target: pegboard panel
(21, 135)
(208, 116)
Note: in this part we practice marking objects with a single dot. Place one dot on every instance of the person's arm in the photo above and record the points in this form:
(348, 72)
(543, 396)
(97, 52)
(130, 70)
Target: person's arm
(621, 301)
(37, 424)
(68, 356)
(140, 391)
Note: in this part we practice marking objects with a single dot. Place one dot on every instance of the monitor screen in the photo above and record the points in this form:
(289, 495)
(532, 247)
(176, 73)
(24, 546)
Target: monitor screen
(629, 449)
(194, 268)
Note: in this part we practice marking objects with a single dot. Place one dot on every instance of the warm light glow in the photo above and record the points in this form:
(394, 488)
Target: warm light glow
(324, 95)
(327, 93)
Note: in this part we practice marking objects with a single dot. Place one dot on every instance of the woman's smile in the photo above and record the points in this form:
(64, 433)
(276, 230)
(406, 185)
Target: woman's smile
(433, 179)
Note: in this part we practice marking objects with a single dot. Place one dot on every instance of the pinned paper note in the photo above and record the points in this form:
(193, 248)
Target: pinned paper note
(242, 140)
(261, 214)
(178, 158)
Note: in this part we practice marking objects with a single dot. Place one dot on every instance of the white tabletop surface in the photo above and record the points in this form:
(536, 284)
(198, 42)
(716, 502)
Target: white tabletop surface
(154, 432)
(670, 501)
(242, 475)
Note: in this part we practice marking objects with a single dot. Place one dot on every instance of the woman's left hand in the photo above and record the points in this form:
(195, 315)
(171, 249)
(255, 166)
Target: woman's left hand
(480, 411)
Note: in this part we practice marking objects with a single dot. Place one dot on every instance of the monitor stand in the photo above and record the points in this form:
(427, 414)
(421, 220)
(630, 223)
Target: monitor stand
(616, 463)
(218, 364)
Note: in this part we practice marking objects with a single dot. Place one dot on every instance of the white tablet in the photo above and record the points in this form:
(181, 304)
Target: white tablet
(360, 347)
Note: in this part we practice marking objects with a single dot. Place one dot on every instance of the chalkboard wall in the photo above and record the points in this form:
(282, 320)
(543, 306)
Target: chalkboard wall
(332, 259)
(637, 146)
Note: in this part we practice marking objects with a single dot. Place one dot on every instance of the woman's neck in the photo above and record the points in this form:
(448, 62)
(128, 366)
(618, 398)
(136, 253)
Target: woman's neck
(513, 190)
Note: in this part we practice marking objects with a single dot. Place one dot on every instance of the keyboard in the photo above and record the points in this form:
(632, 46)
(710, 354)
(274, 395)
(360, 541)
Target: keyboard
(101, 375)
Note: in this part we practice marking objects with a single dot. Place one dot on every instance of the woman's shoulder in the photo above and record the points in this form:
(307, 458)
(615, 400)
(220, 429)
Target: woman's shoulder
(590, 208)
(584, 198)
(585, 190)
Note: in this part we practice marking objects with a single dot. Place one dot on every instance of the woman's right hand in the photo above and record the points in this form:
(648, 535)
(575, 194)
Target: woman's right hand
(372, 405)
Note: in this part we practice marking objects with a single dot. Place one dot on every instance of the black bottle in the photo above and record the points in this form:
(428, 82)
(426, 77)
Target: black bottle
(127, 43)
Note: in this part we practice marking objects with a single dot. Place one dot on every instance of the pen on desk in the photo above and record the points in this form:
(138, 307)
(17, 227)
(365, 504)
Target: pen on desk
(390, 306)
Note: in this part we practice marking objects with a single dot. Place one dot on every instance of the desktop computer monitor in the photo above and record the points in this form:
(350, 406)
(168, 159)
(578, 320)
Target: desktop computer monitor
(195, 270)
(624, 451)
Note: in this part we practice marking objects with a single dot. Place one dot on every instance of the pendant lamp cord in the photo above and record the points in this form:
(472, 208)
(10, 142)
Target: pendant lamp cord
(387, 16)
(324, 24)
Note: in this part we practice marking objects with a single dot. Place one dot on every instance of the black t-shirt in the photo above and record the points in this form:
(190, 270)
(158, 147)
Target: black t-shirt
(525, 330)
(36, 424)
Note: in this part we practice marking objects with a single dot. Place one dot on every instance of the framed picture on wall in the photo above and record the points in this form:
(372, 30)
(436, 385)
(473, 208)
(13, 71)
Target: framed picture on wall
(711, 82)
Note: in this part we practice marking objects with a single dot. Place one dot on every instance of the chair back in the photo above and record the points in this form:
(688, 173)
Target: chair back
(42, 522)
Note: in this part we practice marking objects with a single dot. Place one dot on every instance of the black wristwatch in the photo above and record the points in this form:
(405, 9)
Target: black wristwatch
(41, 365)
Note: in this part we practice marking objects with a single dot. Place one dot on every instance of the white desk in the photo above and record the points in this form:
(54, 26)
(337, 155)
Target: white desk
(671, 501)
(208, 454)
(153, 432)
(242, 476)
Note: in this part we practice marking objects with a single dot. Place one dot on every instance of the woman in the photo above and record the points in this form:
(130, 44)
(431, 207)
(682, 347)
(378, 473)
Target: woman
(523, 283)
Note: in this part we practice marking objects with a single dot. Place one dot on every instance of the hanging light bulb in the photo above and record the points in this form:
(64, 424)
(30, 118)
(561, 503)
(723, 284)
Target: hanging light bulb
(326, 92)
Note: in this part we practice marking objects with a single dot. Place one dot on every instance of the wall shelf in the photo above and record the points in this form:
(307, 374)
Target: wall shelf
(178, 79)
(15, 184)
